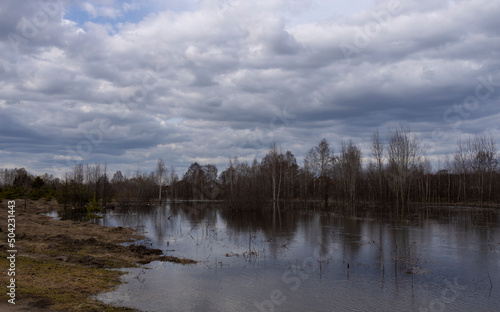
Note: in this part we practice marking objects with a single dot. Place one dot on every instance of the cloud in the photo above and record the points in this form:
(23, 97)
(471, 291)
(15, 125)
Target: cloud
(128, 82)
(104, 11)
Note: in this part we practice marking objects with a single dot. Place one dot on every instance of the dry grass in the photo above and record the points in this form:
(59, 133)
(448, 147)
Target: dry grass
(60, 265)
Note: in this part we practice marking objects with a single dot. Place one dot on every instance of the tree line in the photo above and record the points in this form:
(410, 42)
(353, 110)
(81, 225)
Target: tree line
(395, 171)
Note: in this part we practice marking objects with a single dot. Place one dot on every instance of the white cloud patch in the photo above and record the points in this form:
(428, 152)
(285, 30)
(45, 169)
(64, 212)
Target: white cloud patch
(105, 9)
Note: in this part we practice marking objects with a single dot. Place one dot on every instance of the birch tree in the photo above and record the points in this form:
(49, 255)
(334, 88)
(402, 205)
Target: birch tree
(273, 163)
(404, 154)
(161, 173)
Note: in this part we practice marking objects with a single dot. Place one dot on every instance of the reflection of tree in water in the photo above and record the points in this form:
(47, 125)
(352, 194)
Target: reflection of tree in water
(265, 219)
(195, 212)
(277, 227)
(395, 247)
(390, 246)
(197, 215)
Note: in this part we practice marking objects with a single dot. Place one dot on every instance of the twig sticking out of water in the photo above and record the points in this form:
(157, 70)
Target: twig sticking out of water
(491, 284)
(412, 267)
(396, 263)
(347, 270)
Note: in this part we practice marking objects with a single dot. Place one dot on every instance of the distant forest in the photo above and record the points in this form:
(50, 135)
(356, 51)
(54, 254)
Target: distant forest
(397, 172)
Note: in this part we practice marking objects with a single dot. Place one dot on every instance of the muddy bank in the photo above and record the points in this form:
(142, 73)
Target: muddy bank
(61, 264)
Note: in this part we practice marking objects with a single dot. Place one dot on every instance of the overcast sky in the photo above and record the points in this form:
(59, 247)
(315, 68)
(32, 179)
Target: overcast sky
(128, 82)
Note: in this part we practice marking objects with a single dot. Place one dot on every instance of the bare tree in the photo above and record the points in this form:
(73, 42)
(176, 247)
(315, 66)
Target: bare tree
(65, 190)
(425, 170)
(377, 152)
(463, 165)
(404, 154)
(308, 174)
(211, 180)
(349, 167)
(105, 183)
(484, 163)
(290, 178)
(273, 163)
(161, 173)
(78, 180)
(9, 176)
(173, 179)
(92, 176)
(322, 157)
(245, 186)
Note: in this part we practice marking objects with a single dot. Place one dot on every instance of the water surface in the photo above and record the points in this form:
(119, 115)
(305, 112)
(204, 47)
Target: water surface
(439, 259)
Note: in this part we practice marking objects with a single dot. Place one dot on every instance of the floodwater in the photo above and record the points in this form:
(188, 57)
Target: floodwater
(438, 259)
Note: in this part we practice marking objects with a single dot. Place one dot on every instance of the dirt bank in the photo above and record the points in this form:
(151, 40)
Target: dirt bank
(61, 264)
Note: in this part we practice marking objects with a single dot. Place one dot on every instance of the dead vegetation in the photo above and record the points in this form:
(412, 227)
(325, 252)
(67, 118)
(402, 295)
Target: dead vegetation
(60, 265)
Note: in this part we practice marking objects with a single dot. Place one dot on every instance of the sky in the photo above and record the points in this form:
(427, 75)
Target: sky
(129, 82)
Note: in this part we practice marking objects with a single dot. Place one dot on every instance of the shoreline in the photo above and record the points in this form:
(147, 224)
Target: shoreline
(62, 264)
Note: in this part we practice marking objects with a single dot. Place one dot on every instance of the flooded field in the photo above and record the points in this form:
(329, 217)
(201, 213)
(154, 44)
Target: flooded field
(438, 259)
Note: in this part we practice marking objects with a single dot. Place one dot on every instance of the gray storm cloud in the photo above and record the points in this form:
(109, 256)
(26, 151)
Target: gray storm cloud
(216, 79)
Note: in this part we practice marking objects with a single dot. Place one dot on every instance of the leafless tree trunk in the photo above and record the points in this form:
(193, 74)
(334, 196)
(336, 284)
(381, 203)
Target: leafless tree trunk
(462, 166)
(78, 178)
(211, 179)
(161, 172)
(484, 163)
(92, 176)
(309, 173)
(174, 178)
(105, 185)
(476, 162)
(322, 164)
(404, 154)
(350, 167)
(377, 152)
(275, 157)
